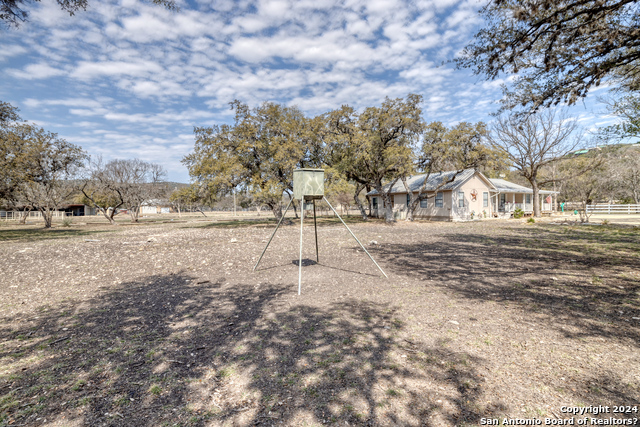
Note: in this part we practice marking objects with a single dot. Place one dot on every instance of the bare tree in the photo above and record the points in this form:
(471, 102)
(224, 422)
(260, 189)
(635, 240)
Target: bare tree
(129, 183)
(101, 188)
(534, 141)
(585, 188)
(627, 174)
(140, 182)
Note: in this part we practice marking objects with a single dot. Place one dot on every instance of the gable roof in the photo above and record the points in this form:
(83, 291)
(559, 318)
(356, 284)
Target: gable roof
(415, 182)
(510, 187)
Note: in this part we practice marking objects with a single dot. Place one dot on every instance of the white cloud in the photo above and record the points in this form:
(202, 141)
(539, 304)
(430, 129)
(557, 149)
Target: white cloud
(90, 70)
(128, 70)
(36, 72)
(69, 102)
(11, 50)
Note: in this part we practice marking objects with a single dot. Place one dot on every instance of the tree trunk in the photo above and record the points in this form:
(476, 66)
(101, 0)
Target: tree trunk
(179, 213)
(386, 197)
(536, 198)
(356, 198)
(276, 208)
(108, 214)
(47, 215)
(295, 211)
(584, 217)
(134, 213)
(23, 215)
(411, 206)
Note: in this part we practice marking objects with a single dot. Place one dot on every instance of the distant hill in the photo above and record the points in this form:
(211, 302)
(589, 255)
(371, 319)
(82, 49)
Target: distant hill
(174, 185)
(611, 148)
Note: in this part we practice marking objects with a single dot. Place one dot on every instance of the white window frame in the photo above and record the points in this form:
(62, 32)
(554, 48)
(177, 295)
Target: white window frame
(439, 199)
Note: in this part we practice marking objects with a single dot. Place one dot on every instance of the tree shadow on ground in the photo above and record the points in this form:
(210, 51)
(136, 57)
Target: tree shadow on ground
(542, 269)
(37, 234)
(176, 350)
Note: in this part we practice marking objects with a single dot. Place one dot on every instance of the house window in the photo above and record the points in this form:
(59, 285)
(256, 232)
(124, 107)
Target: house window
(461, 199)
(528, 198)
(439, 200)
(423, 203)
(485, 200)
(374, 202)
(408, 199)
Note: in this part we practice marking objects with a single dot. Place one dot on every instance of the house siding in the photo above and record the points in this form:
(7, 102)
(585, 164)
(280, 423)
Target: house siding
(478, 185)
(450, 210)
(432, 212)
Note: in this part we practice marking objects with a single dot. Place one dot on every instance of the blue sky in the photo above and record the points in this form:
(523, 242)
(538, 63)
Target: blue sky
(129, 79)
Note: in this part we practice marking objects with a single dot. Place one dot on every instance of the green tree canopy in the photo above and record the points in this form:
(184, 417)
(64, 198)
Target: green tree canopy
(38, 168)
(376, 146)
(258, 151)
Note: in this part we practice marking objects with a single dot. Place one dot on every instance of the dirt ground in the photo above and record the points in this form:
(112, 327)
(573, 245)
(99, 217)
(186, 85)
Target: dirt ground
(164, 324)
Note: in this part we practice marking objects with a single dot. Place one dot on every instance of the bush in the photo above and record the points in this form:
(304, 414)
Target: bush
(518, 213)
(531, 220)
(67, 221)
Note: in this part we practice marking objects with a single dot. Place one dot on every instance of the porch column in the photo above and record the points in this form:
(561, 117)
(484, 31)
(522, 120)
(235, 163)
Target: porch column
(513, 208)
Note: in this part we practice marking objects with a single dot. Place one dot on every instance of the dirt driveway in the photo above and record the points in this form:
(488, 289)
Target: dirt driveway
(166, 324)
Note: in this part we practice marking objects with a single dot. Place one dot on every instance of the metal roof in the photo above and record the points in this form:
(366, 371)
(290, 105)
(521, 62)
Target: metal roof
(510, 187)
(415, 182)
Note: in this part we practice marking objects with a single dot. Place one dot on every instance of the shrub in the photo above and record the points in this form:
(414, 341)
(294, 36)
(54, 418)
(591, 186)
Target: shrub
(67, 221)
(518, 213)
(531, 220)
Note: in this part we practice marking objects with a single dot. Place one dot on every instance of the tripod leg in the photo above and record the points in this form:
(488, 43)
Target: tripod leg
(274, 233)
(354, 236)
(315, 227)
(300, 263)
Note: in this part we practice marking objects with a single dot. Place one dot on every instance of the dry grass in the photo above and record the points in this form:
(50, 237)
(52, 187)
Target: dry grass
(166, 324)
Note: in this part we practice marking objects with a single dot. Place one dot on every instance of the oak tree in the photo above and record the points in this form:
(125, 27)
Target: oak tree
(558, 49)
(45, 169)
(259, 151)
(375, 147)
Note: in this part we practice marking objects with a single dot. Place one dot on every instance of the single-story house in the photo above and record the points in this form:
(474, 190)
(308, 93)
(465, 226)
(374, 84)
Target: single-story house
(156, 206)
(78, 210)
(67, 210)
(468, 195)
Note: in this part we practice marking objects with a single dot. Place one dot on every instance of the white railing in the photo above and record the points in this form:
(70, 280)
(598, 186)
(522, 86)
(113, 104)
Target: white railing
(15, 215)
(526, 207)
(611, 209)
